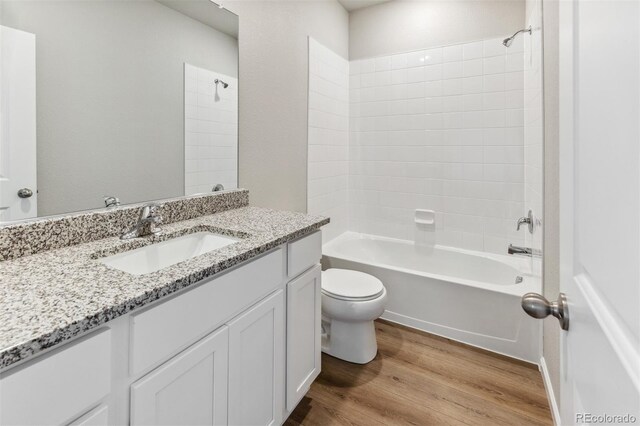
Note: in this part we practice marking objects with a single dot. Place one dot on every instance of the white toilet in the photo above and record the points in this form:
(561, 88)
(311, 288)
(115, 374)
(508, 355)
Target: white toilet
(351, 300)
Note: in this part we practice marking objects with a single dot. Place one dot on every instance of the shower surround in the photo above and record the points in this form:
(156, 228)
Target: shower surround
(439, 129)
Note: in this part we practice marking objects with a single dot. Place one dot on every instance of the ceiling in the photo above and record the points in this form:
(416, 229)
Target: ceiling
(352, 5)
(206, 12)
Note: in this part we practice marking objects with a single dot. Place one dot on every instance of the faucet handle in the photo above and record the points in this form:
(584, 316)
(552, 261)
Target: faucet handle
(111, 201)
(148, 210)
(528, 220)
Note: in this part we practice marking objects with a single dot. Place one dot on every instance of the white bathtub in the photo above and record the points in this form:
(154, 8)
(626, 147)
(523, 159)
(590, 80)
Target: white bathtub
(463, 295)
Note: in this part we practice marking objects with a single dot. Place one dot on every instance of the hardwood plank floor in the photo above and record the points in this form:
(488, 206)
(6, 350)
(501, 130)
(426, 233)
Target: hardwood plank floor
(422, 379)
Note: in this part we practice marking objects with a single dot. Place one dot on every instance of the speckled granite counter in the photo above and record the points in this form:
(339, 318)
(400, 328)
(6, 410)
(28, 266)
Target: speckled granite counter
(50, 297)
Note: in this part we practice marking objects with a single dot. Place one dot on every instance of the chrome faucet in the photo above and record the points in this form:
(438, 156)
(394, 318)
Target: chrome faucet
(524, 251)
(528, 220)
(111, 201)
(147, 223)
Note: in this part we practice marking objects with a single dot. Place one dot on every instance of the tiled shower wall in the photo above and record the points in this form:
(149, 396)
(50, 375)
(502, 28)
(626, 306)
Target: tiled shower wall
(328, 138)
(210, 131)
(440, 129)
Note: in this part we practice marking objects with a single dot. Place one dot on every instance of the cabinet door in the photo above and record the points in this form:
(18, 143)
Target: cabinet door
(303, 334)
(189, 389)
(58, 387)
(99, 416)
(256, 364)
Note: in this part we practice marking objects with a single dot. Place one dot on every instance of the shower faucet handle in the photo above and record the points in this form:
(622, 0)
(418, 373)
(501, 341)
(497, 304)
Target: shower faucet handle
(528, 220)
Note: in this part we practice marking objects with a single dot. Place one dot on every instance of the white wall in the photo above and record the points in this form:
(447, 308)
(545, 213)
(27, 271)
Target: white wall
(328, 158)
(440, 129)
(110, 102)
(210, 130)
(404, 25)
(273, 92)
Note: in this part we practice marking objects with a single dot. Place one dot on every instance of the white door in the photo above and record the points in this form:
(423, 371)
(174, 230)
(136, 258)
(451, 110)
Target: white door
(599, 210)
(256, 364)
(303, 334)
(189, 389)
(17, 125)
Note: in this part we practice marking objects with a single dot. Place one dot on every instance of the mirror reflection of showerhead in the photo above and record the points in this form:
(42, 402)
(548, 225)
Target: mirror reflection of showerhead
(224, 85)
(507, 41)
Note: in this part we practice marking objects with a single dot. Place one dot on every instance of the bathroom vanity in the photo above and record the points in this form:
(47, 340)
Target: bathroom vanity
(231, 336)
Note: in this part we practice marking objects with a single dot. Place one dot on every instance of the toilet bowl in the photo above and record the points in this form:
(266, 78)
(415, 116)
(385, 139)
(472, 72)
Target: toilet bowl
(351, 300)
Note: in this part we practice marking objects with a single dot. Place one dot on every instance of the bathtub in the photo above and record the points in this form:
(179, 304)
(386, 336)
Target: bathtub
(468, 296)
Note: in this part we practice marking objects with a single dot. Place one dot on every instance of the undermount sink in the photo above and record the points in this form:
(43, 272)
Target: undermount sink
(155, 257)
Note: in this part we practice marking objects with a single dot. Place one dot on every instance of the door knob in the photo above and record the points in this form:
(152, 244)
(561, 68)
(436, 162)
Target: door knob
(539, 307)
(25, 193)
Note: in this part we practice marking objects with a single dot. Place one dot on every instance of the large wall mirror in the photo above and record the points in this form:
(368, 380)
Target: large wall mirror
(114, 101)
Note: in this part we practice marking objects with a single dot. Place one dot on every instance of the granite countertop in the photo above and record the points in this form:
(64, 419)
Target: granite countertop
(50, 297)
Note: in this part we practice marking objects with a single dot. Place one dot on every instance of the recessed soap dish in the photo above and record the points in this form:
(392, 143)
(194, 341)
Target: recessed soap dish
(425, 217)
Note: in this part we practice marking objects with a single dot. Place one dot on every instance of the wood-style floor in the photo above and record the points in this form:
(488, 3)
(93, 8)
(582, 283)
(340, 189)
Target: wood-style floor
(422, 379)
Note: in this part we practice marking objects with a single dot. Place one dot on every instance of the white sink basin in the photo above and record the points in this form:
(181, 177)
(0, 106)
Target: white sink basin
(158, 256)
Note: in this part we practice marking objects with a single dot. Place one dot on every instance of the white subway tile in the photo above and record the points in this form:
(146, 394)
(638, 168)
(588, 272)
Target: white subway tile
(383, 63)
(472, 67)
(415, 74)
(471, 85)
(452, 53)
(415, 59)
(514, 62)
(452, 70)
(514, 80)
(494, 65)
(514, 99)
(493, 100)
(472, 102)
(514, 117)
(367, 66)
(452, 87)
(494, 47)
(399, 76)
(433, 88)
(434, 105)
(493, 118)
(452, 103)
(493, 83)
(383, 78)
(472, 50)
(433, 72)
(399, 61)
(433, 56)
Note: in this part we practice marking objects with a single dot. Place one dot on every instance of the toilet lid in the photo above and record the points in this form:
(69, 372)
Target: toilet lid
(350, 285)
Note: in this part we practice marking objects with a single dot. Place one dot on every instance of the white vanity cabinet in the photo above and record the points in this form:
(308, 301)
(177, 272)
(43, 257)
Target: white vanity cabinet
(257, 364)
(303, 334)
(240, 348)
(191, 388)
(59, 386)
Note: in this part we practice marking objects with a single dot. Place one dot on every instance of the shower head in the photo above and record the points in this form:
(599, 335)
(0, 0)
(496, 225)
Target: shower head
(224, 85)
(507, 41)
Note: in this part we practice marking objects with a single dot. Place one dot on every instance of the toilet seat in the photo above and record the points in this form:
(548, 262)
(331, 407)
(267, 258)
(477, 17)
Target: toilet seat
(343, 284)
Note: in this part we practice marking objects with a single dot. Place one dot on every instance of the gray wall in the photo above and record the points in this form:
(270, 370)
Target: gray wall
(273, 93)
(110, 96)
(405, 25)
(551, 344)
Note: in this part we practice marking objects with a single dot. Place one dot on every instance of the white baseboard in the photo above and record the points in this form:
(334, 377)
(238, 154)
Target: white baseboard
(555, 411)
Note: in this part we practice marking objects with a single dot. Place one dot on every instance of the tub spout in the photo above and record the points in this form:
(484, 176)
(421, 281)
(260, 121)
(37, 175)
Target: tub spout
(524, 251)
